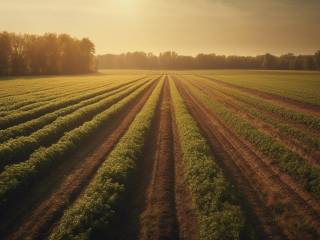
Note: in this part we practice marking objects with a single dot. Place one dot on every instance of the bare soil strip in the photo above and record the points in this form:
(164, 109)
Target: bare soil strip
(305, 107)
(310, 155)
(46, 202)
(281, 209)
(158, 220)
(158, 205)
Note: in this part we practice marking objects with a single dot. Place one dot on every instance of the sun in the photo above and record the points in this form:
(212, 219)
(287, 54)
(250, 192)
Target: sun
(126, 5)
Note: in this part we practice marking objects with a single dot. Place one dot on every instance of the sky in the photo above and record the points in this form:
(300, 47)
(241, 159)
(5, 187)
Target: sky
(189, 27)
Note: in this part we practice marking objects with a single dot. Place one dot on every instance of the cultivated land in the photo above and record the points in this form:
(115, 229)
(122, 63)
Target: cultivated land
(161, 155)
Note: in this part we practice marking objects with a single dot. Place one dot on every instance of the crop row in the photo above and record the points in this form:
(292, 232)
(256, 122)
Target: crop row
(14, 103)
(288, 161)
(101, 198)
(283, 128)
(18, 177)
(16, 91)
(288, 114)
(35, 92)
(309, 121)
(27, 115)
(20, 87)
(220, 215)
(30, 103)
(74, 93)
(28, 127)
(16, 106)
(297, 87)
(24, 89)
(18, 149)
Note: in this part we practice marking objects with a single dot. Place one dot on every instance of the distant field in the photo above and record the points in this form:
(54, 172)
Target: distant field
(302, 86)
(134, 154)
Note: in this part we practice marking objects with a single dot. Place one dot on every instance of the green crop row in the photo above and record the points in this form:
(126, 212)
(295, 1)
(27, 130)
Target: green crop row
(21, 89)
(14, 104)
(300, 86)
(18, 91)
(18, 177)
(309, 121)
(27, 115)
(28, 127)
(18, 149)
(219, 212)
(283, 128)
(93, 212)
(288, 161)
(32, 102)
(29, 104)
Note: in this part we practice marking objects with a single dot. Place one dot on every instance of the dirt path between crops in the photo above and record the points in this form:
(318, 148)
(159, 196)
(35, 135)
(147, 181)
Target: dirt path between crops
(308, 108)
(271, 115)
(49, 198)
(311, 155)
(159, 205)
(278, 206)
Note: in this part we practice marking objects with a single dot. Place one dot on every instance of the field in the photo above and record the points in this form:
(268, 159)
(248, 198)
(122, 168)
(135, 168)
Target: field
(226, 154)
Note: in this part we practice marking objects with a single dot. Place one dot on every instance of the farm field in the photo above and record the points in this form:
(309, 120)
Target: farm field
(137, 154)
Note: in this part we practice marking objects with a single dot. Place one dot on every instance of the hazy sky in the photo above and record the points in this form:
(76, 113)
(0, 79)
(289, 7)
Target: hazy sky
(246, 27)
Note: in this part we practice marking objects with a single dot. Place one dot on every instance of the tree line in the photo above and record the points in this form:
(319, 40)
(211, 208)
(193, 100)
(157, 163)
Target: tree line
(29, 54)
(171, 60)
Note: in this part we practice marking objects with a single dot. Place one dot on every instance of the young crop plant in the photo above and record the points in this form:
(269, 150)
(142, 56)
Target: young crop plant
(22, 116)
(31, 103)
(101, 198)
(218, 209)
(31, 126)
(309, 121)
(18, 177)
(288, 161)
(18, 149)
(284, 128)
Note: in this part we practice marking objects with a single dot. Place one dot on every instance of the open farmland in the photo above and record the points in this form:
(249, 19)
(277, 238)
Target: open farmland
(161, 155)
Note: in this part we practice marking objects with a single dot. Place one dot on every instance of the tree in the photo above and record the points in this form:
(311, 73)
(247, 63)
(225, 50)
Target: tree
(5, 53)
(87, 51)
(269, 62)
(317, 59)
(18, 55)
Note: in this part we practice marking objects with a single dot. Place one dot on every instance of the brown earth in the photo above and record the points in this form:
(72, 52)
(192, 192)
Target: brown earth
(159, 220)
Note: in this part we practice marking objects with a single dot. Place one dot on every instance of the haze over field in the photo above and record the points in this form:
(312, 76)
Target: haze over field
(160, 119)
(245, 27)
